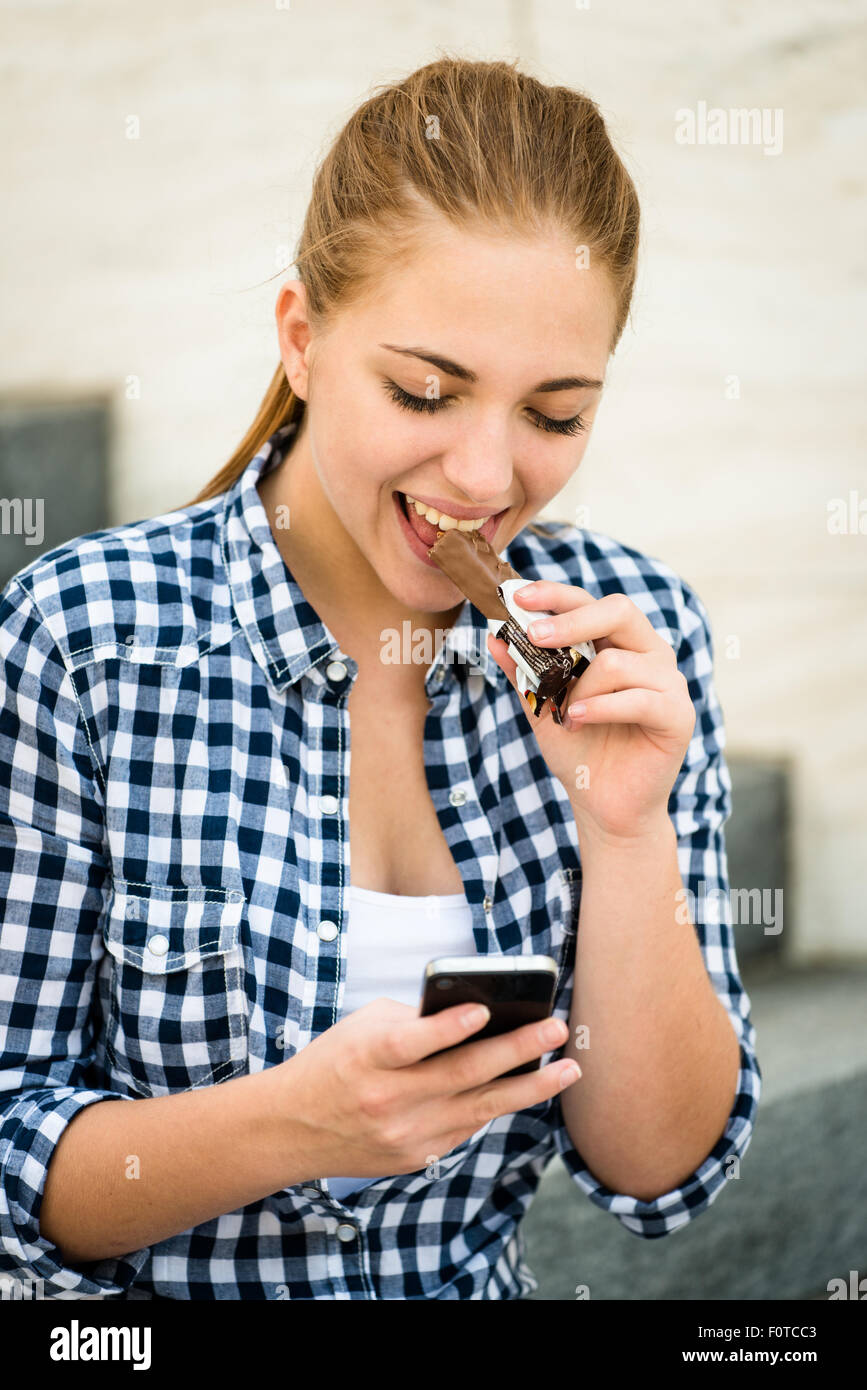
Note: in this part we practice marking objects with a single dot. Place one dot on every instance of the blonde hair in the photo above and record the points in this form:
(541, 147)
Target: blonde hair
(480, 143)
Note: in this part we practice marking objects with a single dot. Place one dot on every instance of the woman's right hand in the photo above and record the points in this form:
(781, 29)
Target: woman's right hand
(371, 1099)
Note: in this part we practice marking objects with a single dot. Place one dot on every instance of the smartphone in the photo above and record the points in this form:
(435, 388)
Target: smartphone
(516, 989)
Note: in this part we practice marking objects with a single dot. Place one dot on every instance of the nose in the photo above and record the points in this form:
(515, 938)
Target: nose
(479, 466)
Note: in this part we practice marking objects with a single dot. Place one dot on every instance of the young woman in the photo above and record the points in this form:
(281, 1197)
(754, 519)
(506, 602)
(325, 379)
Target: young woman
(234, 829)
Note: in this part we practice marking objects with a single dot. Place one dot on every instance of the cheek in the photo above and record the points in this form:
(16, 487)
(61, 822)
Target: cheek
(360, 448)
(545, 476)
(358, 483)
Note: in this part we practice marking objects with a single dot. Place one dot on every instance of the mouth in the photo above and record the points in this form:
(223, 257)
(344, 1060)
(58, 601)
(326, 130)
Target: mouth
(422, 524)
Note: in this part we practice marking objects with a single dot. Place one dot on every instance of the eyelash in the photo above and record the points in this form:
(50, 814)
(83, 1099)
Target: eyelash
(430, 404)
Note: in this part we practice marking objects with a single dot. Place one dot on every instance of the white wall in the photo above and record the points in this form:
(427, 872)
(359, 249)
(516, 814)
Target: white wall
(145, 258)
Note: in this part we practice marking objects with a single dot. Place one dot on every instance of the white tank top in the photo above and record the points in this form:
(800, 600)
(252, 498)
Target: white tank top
(390, 939)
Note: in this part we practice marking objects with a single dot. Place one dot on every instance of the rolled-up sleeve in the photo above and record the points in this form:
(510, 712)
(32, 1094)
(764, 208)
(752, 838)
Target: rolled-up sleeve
(699, 806)
(52, 887)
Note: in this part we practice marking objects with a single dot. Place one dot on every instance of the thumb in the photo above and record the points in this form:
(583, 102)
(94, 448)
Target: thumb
(500, 652)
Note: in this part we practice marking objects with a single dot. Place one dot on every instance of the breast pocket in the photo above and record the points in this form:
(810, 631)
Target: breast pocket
(177, 1015)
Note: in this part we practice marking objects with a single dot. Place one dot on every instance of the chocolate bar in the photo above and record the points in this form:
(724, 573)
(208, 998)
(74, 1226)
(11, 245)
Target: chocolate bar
(490, 582)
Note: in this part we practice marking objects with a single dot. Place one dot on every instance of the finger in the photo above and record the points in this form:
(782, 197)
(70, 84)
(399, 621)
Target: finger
(505, 1096)
(482, 1061)
(648, 708)
(558, 598)
(500, 652)
(585, 619)
(617, 669)
(418, 1037)
(613, 670)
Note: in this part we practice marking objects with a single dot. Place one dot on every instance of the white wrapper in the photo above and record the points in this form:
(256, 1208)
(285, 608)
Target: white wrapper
(523, 618)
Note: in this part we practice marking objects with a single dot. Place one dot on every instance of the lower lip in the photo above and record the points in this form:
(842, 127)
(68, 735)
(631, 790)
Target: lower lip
(417, 545)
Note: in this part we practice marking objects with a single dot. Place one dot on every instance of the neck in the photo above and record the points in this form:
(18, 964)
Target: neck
(333, 574)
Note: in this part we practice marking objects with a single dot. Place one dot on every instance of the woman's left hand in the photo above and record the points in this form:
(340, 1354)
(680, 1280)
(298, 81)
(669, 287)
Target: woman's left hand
(619, 759)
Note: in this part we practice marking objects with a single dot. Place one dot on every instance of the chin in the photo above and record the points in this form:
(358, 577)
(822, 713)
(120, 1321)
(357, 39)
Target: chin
(422, 593)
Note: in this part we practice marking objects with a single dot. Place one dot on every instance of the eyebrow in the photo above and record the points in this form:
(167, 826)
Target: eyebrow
(560, 383)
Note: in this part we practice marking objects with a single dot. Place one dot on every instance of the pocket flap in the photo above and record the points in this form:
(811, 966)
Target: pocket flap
(160, 929)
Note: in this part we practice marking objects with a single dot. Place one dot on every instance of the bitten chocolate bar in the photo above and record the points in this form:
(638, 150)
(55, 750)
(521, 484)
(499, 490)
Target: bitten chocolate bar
(490, 582)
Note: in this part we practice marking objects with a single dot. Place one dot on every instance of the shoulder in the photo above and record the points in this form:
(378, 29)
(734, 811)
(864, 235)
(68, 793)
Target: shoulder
(602, 565)
(151, 585)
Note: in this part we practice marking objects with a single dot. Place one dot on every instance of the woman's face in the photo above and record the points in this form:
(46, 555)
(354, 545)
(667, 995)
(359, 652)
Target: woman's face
(503, 343)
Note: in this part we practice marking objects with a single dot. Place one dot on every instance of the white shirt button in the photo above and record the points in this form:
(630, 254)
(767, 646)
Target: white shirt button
(345, 1232)
(327, 930)
(158, 945)
(328, 805)
(457, 797)
(310, 1192)
(335, 671)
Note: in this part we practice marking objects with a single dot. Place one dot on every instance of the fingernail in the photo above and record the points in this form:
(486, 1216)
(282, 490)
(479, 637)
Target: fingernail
(555, 1031)
(576, 711)
(475, 1017)
(541, 628)
(569, 1074)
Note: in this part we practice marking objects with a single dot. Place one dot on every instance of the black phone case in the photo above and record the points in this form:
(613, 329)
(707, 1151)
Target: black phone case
(513, 999)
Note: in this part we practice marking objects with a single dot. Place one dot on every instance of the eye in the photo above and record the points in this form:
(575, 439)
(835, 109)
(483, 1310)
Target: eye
(434, 403)
(409, 402)
(572, 426)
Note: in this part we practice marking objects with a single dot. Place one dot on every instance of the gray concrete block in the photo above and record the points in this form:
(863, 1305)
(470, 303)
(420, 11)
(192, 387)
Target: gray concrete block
(53, 477)
(758, 848)
(797, 1215)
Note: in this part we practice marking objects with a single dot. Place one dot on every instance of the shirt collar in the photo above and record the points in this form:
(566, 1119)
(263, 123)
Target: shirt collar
(286, 635)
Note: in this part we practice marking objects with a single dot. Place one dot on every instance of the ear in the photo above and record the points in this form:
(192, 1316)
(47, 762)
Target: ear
(293, 335)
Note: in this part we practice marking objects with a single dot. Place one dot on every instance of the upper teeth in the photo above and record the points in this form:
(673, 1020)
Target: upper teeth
(443, 520)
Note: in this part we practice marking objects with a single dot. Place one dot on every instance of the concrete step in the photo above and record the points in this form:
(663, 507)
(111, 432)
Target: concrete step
(797, 1215)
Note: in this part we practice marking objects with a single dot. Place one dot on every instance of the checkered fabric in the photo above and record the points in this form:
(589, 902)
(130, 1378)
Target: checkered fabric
(174, 832)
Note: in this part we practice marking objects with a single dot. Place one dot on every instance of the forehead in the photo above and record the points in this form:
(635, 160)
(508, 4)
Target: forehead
(493, 301)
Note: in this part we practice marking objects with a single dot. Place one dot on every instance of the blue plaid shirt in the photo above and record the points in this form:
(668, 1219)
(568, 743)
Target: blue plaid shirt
(174, 838)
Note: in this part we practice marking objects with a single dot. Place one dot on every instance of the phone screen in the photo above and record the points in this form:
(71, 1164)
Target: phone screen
(514, 998)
